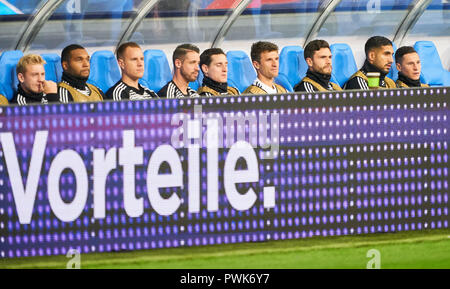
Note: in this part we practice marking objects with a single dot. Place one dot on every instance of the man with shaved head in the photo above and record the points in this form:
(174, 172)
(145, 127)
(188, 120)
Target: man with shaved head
(131, 62)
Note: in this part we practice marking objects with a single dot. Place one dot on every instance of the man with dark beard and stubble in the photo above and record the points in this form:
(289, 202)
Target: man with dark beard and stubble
(186, 60)
(379, 60)
(318, 57)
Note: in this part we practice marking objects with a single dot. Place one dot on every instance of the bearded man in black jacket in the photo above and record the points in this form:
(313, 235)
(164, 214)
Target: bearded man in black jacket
(318, 57)
(379, 59)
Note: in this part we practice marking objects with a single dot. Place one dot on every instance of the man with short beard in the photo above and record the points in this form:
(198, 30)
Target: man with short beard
(131, 62)
(214, 65)
(76, 70)
(33, 88)
(186, 59)
(409, 67)
(379, 53)
(318, 57)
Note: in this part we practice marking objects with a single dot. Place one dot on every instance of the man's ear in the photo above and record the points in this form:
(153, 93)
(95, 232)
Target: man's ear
(178, 63)
(204, 69)
(65, 65)
(120, 62)
(399, 66)
(309, 61)
(371, 56)
(20, 77)
(256, 65)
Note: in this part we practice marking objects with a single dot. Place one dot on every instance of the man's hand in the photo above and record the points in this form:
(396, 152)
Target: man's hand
(49, 87)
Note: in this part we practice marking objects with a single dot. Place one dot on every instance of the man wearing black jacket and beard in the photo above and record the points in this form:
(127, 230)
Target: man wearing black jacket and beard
(379, 53)
(318, 57)
(213, 63)
(186, 59)
(76, 70)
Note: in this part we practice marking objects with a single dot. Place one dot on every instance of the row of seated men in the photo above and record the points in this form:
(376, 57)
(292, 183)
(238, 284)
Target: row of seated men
(187, 61)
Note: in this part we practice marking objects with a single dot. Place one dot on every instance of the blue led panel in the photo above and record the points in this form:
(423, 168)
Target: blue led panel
(134, 175)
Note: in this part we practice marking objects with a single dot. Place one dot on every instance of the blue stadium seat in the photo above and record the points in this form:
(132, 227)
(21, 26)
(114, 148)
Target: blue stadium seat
(8, 77)
(104, 70)
(433, 73)
(344, 64)
(196, 84)
(2, 90)
(293, 67)
(240, 70)
(53, 68)
(393, 72)
(157, 70)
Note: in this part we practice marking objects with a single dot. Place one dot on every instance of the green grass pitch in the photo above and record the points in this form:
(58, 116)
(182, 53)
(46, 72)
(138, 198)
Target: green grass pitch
(418, 249)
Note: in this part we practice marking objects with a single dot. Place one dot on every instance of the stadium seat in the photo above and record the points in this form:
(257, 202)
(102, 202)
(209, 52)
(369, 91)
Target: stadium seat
(53, 68)
(293, 67)
(104, 70)
(393, 72)
(2, 91)
(240, 70)
(433, 73)
(344, 64)
(8, 77)
(157, 70)
(196, 84)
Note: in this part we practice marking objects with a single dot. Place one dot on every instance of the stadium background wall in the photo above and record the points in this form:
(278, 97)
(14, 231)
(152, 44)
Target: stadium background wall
(347, 163)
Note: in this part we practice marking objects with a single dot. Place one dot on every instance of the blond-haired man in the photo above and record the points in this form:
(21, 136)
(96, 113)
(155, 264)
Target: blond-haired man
(33, 88)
